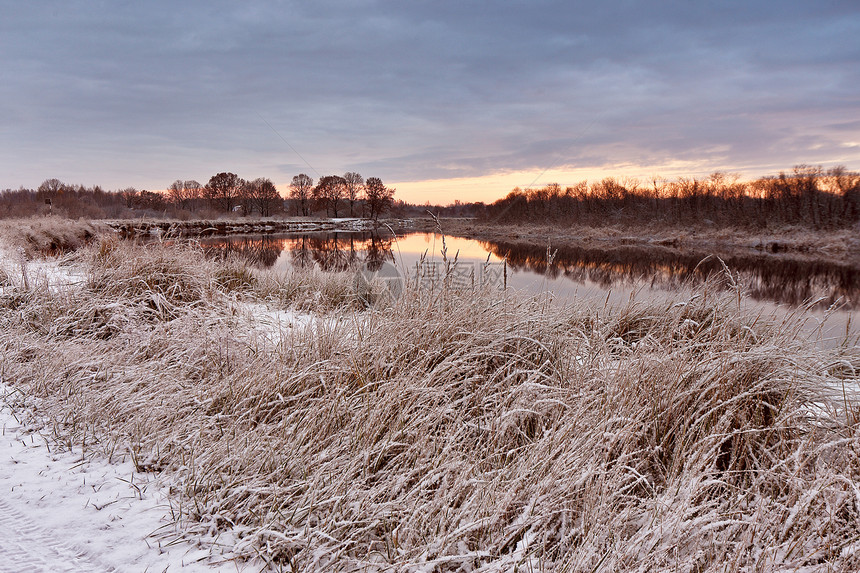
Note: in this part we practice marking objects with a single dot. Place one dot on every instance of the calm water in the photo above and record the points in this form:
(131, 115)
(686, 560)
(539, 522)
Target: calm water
(598, 273)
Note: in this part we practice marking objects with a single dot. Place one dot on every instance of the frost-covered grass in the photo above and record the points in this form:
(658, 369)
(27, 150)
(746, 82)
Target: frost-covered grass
(52, 235)
(449, 431)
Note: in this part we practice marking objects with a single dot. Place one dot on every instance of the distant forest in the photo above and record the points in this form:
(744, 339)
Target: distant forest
(808, 196)
(225, 194)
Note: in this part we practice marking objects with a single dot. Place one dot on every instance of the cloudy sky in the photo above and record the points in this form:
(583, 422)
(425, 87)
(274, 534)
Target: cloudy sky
(440, 99)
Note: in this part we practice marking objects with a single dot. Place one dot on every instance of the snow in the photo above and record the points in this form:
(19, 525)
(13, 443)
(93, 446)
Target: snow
(52, 273)
(76, 511)
(73, 511)
(274, 323)
(353, 223)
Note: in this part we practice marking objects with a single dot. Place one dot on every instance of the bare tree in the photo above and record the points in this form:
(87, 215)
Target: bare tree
(130, 196)
(245, 197)
(191, 191)
(176, 192)
(354, 187)
(330, 190)
(223, 189)
(264, 195)
(300, 192)
(51, 187)
(49, 192)
(379, 197)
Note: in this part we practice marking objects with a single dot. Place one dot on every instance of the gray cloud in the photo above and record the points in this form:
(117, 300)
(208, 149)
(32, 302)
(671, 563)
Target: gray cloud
(142, 93)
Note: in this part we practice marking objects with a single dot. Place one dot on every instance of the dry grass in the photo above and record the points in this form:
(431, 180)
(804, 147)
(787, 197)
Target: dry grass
(451, 431)
(48, 235)
(311, 290)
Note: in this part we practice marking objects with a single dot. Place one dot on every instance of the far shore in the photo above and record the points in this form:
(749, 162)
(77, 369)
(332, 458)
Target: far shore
(839, 244)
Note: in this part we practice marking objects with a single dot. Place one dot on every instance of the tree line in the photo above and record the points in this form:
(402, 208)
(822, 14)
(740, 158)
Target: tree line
(227, 192)
(332, 191)
(224, 193)
(808, 196)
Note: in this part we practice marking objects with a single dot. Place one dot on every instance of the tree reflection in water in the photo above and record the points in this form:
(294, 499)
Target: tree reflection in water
(781, 279)
(261, 251)
(792, 280)
(341, 252)
(329, 252)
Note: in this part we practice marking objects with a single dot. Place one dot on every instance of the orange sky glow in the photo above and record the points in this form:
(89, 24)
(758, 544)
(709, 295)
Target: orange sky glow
(489, 188)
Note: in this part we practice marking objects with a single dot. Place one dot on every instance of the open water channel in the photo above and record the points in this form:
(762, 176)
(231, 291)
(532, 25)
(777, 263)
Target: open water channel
(604, 274)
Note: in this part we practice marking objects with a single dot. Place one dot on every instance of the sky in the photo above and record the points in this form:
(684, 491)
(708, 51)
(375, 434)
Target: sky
(441, 100)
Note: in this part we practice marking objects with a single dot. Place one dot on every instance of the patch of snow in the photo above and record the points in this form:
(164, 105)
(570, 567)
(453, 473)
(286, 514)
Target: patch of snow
(50, 272)
(75, 512)
(275, 321)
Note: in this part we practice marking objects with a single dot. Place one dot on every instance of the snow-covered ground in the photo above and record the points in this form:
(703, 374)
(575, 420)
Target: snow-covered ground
(67, 511)
(53, 273)
(73, 511)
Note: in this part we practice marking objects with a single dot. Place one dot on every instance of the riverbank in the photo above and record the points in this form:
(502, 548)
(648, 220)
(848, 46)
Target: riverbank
(136, 228)
(444, 430)
(842, 244)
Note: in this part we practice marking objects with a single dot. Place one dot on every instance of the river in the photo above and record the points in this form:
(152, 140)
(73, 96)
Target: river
(604, 274)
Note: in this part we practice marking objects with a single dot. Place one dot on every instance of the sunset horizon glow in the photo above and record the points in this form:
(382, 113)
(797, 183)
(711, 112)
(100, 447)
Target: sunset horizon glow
(490, 188)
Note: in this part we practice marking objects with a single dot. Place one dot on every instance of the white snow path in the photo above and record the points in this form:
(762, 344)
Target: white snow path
(27, 547)
(62, 511)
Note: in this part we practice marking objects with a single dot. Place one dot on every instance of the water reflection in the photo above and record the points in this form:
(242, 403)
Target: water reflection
(328, 251)
(336, 252)
(775, 278)
(778, 279)
(262, 251)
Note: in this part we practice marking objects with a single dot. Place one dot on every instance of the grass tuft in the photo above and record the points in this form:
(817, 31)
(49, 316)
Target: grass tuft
(49, 235)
